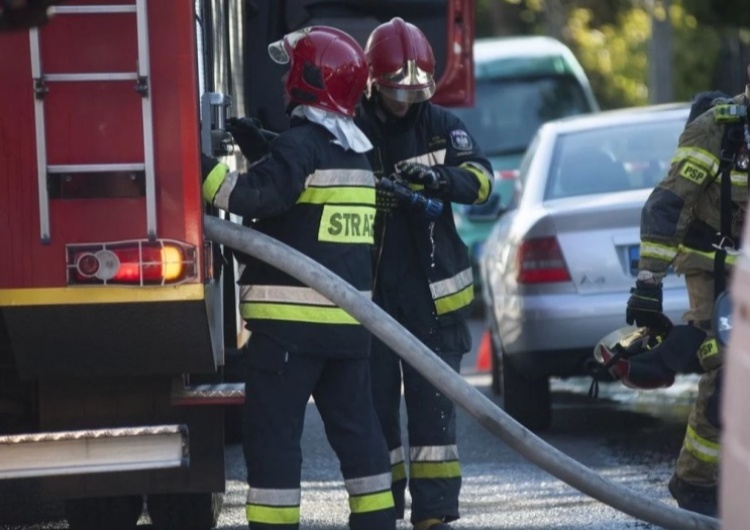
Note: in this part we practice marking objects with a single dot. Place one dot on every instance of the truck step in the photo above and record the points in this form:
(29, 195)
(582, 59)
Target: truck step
(216, 394)
(93, 451)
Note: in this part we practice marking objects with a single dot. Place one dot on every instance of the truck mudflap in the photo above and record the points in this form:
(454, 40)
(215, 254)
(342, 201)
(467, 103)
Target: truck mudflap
(93, 451)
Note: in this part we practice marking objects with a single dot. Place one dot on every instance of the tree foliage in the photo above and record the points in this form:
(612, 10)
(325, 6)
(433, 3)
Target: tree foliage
(611, 39)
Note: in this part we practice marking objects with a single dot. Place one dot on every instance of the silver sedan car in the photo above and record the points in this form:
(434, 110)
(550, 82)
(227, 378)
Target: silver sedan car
(558, 266)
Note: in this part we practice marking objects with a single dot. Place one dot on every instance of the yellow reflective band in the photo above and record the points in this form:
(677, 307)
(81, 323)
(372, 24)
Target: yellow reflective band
(213, 181)
(700, 448)
(708, 349)
(347, 224)
(296, 313)
(657, 251)
(485, 180)
(739, 178)
(398, 472)
(730, 258)
(702, 157)
(350, 195)
(372, 502)
(455, 302)
(101, 295)
(435, 469)
(452, 285)
(271, 515)
(693, 173)
(729, 112)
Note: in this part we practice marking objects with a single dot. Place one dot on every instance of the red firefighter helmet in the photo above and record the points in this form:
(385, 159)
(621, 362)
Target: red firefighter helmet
(327, 68)
(401, 63)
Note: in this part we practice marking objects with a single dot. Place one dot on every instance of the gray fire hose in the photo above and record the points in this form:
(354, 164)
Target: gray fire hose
(453, 385)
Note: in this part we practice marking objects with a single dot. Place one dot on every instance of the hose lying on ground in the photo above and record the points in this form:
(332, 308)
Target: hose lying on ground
(453, 385)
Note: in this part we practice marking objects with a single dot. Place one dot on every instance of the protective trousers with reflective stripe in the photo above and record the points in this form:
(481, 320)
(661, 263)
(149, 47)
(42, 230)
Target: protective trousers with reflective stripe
(434, 471)
(698, 462)
(278, 389)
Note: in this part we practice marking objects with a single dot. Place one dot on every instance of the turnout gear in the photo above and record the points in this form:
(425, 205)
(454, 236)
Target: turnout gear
(423, 275)
(401, 63)
(421, 174)
(692, 221)
(327, 68)
(644, 305)
(317, 196)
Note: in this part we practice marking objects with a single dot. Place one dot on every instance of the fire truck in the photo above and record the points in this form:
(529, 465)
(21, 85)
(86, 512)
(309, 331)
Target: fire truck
(118, 321)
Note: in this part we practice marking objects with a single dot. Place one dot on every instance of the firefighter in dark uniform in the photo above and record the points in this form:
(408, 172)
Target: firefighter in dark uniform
(314, 191)
(681, 225)
(423, 275)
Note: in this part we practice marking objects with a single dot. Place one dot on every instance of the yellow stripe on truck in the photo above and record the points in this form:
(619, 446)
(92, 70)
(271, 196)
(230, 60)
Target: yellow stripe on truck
(100, 295)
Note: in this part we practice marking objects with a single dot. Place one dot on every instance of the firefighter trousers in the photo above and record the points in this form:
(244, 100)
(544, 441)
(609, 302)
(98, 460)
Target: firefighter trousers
(698, 462)
(434, 470)
(278, 387)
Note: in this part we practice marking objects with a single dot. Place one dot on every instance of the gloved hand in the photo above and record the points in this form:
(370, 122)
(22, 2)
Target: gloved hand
(644, 305)
(249, 137)
(427, 176)
(208, 163)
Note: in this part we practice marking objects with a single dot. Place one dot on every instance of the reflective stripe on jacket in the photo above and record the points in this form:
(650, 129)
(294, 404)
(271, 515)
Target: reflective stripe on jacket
(320, 200)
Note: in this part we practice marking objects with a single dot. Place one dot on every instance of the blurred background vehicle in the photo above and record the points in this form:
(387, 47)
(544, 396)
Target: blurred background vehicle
(558, 265)
(521, 82)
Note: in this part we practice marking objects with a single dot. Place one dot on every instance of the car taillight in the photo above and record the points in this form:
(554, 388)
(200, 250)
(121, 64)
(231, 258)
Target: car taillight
(540, 260)
(139, 262)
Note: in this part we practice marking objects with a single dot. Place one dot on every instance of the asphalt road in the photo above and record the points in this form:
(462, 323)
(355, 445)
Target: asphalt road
(627, 437)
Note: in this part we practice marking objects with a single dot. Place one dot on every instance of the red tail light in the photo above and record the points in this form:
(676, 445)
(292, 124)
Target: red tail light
(540, 260)
(137, 262)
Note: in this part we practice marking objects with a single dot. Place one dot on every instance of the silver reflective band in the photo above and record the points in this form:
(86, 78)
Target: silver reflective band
(274, 497)
(364, 485)
(433, 453)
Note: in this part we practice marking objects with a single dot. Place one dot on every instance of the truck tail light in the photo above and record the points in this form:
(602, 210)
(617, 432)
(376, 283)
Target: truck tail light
(540, 260)
(138, 262)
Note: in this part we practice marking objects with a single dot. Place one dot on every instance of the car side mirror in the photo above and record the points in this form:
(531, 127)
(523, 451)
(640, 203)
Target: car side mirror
(723, 318)
(485, 212)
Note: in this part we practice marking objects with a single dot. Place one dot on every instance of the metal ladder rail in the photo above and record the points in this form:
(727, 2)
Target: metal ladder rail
(141, 77)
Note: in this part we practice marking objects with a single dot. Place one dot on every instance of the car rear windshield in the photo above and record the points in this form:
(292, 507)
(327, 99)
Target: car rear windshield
(508, 112)
(615, 158)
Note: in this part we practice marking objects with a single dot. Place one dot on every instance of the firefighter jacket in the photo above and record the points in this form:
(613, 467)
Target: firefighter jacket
(318, 198)
(681, 218)
(427, 283)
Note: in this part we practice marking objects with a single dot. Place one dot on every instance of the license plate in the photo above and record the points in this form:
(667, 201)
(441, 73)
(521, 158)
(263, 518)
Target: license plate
(633, 254)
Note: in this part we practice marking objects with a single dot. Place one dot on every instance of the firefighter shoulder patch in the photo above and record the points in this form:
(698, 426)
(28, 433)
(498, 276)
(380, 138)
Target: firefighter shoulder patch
(460, 140)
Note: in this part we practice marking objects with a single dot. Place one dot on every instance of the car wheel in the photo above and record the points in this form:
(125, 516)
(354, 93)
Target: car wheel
(526, 399)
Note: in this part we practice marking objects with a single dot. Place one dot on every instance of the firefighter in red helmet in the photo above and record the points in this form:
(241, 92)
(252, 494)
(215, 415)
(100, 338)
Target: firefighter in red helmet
(314, 175)
(423, 275)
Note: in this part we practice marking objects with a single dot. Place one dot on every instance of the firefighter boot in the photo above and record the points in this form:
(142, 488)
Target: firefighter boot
(431, 524)
(694, 498)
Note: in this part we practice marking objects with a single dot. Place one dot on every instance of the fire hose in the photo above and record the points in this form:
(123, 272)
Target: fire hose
(450, 383)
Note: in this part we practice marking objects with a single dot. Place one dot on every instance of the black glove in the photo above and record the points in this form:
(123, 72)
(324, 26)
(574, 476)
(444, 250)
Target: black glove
(208, 163)
(427, 176)
(248, 135)
(644, 305)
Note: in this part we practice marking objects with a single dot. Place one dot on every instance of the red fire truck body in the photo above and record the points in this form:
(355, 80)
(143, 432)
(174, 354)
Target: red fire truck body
(113, 305)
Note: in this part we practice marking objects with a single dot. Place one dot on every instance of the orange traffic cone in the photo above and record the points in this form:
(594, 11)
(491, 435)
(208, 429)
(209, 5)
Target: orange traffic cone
(483, 353)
